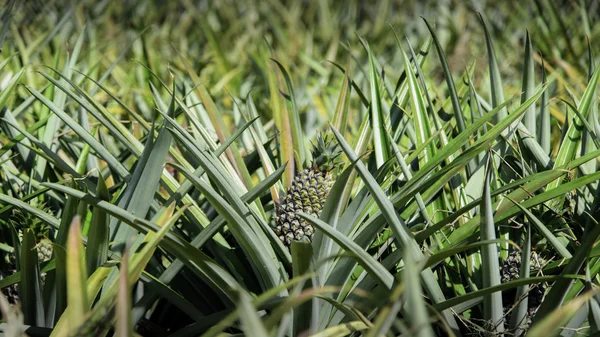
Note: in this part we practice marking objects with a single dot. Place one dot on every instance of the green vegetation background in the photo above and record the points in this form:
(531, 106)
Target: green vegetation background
(144, 146)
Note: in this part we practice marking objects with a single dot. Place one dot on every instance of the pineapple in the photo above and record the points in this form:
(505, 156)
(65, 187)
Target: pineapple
(510, 271)
(44, 246)
(43, 233)
(45, 249)
(8, 267)
(308, 192)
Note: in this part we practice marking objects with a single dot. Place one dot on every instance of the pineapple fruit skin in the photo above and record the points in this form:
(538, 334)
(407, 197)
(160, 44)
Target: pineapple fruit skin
(44, 249)
(9, 268)
(307, 194)
(510, 271)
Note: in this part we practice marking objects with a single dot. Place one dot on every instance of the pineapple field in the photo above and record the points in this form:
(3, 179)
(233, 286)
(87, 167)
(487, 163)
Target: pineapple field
(291, 168)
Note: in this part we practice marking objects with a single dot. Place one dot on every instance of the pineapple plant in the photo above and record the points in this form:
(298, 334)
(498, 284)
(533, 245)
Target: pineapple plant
(308, 192)
(408, 217)
(44, 248)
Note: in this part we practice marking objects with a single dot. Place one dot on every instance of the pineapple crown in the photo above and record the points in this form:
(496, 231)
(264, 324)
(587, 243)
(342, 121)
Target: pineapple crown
(325, 153)
(22, 220)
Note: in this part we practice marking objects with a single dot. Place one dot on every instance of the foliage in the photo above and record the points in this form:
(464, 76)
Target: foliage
(145, 146)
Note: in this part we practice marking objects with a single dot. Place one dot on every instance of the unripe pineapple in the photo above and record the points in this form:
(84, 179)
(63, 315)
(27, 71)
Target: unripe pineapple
(44, 246)
(45, 249)
(510, 271)
(8, 267)
(308, 192)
